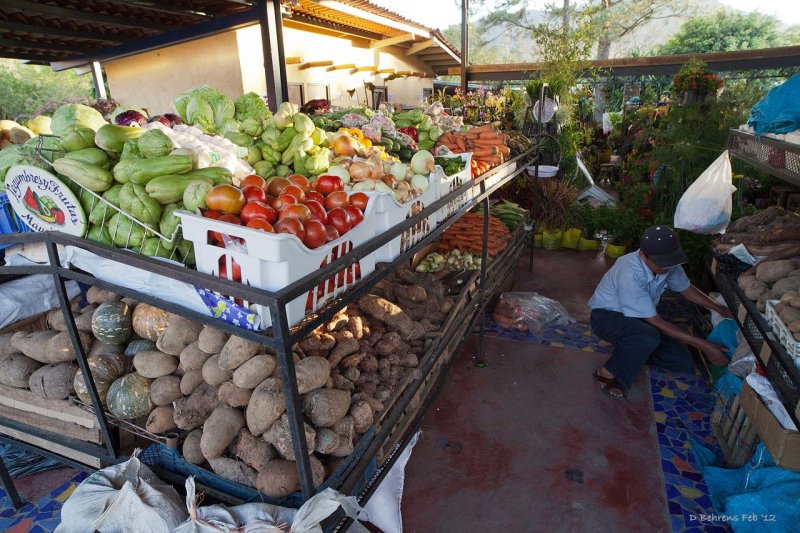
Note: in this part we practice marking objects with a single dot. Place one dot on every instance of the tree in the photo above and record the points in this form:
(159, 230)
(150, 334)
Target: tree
(615, 19)
(726, 32)
(30, 89)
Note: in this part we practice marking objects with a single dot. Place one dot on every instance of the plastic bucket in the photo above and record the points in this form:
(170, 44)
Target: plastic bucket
(551, 239)
(571, 238)
(615, 251)
(537, 240)
(588, 244)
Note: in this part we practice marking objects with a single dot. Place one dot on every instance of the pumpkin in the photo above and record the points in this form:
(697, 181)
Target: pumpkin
(105, 370)
(111, 322)
(140, 345)
(149, 322)
(129, 396)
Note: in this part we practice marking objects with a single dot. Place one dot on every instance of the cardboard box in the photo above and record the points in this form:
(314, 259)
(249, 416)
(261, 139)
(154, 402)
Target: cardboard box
(783, 445)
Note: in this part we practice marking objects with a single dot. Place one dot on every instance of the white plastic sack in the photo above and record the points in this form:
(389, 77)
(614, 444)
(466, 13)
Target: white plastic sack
(383, 510)
(30, 296)
(122, 498)
(765, 390)
(263, 517)
(706, 205)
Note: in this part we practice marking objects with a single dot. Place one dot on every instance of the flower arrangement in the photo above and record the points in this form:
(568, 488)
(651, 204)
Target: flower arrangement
(695, 76)
(478, 106)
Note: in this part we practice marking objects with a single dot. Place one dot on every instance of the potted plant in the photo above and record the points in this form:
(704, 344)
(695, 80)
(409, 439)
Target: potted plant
(624, 227)
(572, 235)
(586, 215)
(553, 199)
(696, 84)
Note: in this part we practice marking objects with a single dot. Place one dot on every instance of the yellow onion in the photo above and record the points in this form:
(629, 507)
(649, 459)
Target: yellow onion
(360, 171)
(344, 145)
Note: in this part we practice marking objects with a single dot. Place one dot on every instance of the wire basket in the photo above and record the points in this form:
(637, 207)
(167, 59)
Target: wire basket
(166, 247)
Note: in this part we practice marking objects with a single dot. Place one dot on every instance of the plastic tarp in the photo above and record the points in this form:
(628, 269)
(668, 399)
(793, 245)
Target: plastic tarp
(30, 296)
(779, 110)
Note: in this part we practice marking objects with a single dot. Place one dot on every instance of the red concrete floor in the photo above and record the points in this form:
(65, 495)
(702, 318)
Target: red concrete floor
(32, 488)
(530, 443)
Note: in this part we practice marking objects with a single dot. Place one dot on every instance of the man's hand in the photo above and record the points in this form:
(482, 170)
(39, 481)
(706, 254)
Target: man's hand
(724, 311)
(716, 354)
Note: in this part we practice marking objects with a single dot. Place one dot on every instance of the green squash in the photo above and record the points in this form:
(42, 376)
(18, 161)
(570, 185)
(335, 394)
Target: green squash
(129, 396)
(140, 345)
(111, 322)
(105, 370)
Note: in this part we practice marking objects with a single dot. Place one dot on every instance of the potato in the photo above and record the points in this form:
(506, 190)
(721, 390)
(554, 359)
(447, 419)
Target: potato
(59, 348)
(789, 315)
(193, 358)
(772, 271)
(761, 304)
(755, 290)
(326, 441)
(312, 373)
(16, 370)
(234, 396)
(234, 470)
(190, 381)
(325, 407)
(237, 351)
(794, 327)
(96, 295)
(219, 430)
(391, 343)
(55, 321)
(363, 417)
(191, 412)
(165, 390)
(278, 479)
(344, 450)
(254, 371)
(154, 364)
(780, 306)
(281, 438)
(392, 315)
(794, 302)
(788, 296)
(785, 285)
(252, 450)
(213, 374)
(211, 340)
(342, 349)
(180, 333)
(191, 447)
(315, 341)
(53, 382)
(265, 407)
(161, 419)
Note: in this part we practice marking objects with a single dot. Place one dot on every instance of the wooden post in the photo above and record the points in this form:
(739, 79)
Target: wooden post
(464, 43)
(274, 58)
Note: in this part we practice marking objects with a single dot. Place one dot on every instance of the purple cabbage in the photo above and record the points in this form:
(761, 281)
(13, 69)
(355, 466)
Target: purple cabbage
(173, 118)
(130, 118)
(162, 119)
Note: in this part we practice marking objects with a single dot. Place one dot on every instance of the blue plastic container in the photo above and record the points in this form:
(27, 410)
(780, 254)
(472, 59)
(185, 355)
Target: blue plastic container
(9, 221)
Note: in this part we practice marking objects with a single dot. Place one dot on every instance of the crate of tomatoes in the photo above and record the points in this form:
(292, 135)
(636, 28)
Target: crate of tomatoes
(268, 234)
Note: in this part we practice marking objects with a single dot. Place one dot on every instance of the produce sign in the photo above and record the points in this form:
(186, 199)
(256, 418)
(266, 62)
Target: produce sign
(43, 202)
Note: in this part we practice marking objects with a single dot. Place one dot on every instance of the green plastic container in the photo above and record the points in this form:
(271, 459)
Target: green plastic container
(551, 240)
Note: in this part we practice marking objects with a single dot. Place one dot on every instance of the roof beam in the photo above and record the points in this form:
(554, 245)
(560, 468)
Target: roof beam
(58, 32)
(449, 52)
(315, 64)
(299, 20)
(419, 47)
(36, 45)
(391, 41)
(386, 71)
(161, 8)
(76, 14)
(294, 60)
(345, 66)
(370, 68)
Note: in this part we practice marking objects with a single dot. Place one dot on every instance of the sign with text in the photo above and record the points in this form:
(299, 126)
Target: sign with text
(44, 202)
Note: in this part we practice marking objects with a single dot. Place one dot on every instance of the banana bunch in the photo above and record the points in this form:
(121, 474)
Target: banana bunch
(510, 213)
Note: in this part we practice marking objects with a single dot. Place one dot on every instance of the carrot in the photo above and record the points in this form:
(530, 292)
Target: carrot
(484, 152)
(492, 159)
(505, 150)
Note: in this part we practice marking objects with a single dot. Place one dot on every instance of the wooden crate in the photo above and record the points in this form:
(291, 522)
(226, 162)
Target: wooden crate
(737, 437)
(34, 323)
(54, 447)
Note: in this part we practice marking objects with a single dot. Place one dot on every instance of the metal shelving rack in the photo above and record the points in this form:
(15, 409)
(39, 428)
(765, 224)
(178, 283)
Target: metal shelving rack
(781, 160)
(280, 337)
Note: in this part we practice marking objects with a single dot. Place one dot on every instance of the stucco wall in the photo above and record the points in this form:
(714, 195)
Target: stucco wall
(153, 79)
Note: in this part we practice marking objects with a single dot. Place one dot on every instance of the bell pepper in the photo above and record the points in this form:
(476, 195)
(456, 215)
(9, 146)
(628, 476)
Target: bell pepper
(411, 132)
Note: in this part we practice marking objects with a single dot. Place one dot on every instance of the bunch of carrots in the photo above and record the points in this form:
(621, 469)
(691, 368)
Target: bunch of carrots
(486, 144)
(467, 235)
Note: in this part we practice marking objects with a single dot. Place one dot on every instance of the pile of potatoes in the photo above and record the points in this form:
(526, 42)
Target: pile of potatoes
(771, 280)
(44, 361)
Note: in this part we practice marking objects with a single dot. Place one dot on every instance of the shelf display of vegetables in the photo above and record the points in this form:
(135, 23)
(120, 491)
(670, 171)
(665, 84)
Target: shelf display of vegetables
(488, 146)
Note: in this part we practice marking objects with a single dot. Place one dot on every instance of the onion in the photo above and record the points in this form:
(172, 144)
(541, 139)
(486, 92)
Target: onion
(420, 182)
(344, 145)
(360, 171)
(340, 171)
(422, 162)
(396, 169)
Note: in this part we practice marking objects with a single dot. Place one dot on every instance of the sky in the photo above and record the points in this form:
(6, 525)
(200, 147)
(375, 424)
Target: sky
(443, 13)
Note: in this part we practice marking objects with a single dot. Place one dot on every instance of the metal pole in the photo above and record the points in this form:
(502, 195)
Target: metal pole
(536, 170)
(294, 410)
(99, 82)
(479, 361)
(464, 43)
(274, 57)
(8, 486)
(109, 438)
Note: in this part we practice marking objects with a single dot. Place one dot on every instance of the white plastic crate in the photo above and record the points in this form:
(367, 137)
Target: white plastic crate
(496, 177)
(448, 184)
(785, 337)
(273, 261)
(389, 213)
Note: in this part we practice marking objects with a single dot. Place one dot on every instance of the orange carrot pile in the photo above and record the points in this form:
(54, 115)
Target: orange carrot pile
(486, 144)
(467, 235)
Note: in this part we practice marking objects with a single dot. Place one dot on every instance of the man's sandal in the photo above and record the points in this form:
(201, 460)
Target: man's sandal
(610, 386)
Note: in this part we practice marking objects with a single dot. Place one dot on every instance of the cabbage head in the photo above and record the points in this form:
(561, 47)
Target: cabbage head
(71, 116)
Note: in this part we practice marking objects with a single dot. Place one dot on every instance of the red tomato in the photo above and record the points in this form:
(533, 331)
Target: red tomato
(359, 200)
(282, 201)
(297, 192)
(336, 199)
(276, 185)
(327, 184)
(256, 209)
(339, 219)
(298, 211)
(268, 199)
(291, 226)
(300, 181)
(315, 233)
(231, 219)
(314, 195)
(236, 270)
(253, 181)
(254, 193)
(356, 216)
(317, 211)
(225, 198)
(332, 233)
(209, 213)
(260, 223)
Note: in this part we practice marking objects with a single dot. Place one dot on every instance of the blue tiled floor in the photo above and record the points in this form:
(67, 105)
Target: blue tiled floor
(40, 516)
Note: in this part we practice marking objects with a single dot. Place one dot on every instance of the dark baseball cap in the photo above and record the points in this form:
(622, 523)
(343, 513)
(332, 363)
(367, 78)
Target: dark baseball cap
(662, 245)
